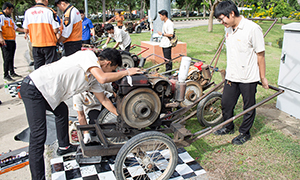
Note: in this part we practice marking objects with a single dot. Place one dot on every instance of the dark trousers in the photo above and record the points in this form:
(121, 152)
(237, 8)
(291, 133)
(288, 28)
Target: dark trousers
(8, 54)
(128, 48)
(167, 55)
(230, 97)
(93, 116)
(72, 47)
(86, 41)
(36, 106)
(44, 55)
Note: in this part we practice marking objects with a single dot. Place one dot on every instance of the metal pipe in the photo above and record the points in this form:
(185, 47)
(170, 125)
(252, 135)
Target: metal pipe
(219, 50)
(279, 91)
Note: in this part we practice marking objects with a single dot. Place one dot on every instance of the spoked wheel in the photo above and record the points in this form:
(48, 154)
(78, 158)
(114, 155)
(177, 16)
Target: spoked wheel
(108, 117)
(209, 110)
(149, 155)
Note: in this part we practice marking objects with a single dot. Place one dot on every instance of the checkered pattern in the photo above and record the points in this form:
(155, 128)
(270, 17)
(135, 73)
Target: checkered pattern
(66, 167)
(12, 88)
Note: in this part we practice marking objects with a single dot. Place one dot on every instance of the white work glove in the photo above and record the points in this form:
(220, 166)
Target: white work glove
(104, 46)
(86, 138)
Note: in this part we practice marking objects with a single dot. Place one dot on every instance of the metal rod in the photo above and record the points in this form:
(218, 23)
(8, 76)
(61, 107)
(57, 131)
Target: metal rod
(169, 71)
(279, 91)
(219, 50)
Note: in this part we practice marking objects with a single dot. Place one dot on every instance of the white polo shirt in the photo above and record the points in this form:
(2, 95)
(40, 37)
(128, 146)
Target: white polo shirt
(121, 37)
(62, 79)
(242, 46)
(87, 101)
(168, 28)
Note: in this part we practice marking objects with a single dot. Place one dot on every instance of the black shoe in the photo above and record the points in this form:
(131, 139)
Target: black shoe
(31, 63)
(224, 131)
(8, 78)
(61, 152)
(15, 75)
(241, 139)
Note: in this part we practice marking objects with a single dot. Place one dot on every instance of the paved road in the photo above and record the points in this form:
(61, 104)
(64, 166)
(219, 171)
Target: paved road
(192, 23)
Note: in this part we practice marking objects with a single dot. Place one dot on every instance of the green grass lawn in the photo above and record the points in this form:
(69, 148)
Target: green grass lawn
(270, 154)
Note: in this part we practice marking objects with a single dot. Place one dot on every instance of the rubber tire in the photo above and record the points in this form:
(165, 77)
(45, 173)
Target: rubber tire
(102, 114)
(201, 108)
(138, 29)
(140, 138)
(113, 140)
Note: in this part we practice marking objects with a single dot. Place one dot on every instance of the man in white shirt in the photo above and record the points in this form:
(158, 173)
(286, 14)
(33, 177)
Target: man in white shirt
(120, 36)
(49, 86)
(167, 33)
(87, 104)
(245, 67)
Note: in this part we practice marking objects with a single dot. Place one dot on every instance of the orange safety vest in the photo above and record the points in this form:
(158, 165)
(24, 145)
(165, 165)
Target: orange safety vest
(8, 29)
(76, 34)
(47, 38)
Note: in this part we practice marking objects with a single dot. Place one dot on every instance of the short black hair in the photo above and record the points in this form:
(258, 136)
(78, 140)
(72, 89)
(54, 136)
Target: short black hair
(108, 27)
(225, 8)
(81, 11)
(58, 1)
(7, 5)
(120, 12)
(163, 13)
(112, 55)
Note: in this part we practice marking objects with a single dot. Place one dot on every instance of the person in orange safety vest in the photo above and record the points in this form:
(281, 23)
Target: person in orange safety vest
(71, 34)
(8, 30)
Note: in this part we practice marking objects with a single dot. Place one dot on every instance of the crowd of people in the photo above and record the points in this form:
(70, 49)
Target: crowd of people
(86, 75)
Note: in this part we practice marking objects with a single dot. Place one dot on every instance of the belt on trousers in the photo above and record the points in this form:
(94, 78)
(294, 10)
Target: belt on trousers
(27, 80)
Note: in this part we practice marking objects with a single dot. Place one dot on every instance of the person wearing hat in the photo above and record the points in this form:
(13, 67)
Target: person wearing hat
(71, 34)
(49, 86)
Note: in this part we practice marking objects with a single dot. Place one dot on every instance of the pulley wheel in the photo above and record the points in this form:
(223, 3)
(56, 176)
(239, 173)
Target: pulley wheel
(193, 92)
(127, 61)
(140, 108)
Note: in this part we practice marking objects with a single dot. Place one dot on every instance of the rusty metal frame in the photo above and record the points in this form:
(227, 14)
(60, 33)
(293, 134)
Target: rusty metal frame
(182, 136)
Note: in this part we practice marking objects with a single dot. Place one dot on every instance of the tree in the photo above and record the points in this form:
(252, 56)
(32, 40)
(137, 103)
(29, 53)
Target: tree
(282, 9)
(213, 6)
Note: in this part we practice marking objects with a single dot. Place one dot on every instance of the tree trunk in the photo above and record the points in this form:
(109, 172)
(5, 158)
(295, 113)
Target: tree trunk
(142, 14)
(211, 16)
(103, 11)
(204, 12)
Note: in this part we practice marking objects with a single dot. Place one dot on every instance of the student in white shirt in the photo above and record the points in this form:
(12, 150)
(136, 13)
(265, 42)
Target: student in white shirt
(167, 33)
(245, 67)
(49, 86)
(87, 104)
(120, 36)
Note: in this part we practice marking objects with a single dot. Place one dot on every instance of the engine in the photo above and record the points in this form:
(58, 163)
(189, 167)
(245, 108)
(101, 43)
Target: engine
(143, 98)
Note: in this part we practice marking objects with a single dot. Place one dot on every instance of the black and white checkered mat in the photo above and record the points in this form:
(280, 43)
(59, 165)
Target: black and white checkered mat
(66, 167)
(13, 88)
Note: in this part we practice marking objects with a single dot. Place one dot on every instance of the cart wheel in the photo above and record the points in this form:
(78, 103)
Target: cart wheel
(127, 60)
(209, 110)
(106, 116)
(138, 29)
(149, 155)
